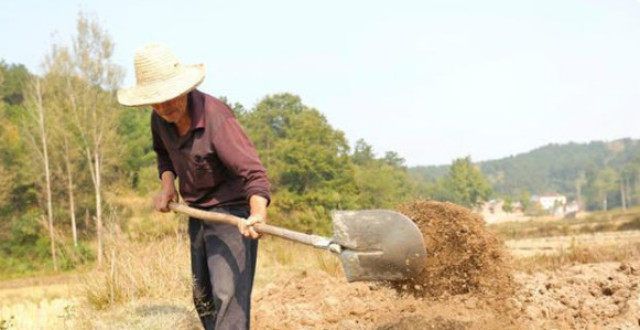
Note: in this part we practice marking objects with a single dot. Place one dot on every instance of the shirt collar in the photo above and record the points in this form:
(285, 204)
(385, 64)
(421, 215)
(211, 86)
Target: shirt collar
(196, 109)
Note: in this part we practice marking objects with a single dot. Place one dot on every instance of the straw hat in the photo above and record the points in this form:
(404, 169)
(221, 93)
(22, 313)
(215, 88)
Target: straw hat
(159, 77)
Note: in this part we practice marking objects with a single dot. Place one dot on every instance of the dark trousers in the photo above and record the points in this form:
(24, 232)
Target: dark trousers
(223, 264)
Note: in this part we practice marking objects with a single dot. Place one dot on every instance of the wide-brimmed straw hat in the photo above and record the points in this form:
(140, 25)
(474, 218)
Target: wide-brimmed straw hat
(159, 77)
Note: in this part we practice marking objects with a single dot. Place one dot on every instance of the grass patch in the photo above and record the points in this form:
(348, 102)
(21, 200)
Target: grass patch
(160, 269)
(137, 218)
(631, 225)
(278, 257)
(575, 255)
(614, 220)
(135, 270)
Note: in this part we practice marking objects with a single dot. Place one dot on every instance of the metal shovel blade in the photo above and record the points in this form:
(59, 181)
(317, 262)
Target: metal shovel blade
(378, 245)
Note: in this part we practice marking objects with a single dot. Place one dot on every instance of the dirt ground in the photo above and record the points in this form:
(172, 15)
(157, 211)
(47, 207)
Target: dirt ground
(591, 296)
(468, 283)
(585, 296)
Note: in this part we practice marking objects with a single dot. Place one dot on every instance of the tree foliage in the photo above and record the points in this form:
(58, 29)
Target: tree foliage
(77, 91)
(464, 184)
(573, 169)
(308, 161)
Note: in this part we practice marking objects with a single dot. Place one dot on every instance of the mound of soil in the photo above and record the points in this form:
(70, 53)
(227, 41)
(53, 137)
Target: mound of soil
(462, 255)
(467, 284)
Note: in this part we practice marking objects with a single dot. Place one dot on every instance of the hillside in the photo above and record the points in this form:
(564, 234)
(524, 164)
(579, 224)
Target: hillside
(551, 168)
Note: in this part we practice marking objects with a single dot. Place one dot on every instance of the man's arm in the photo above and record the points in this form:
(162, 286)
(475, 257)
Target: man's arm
(166, 172)
(167, 192)
(238, 154)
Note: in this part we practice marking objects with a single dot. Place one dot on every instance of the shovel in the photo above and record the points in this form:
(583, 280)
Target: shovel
(373, 245)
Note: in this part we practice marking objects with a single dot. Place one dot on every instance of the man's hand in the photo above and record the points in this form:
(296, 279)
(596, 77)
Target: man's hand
(246, 227)
(167, 194)
(258, 206)
(162, 199)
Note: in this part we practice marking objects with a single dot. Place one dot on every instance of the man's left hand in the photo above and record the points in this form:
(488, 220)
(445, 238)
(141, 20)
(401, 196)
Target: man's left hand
(258, 205)
(249, 231)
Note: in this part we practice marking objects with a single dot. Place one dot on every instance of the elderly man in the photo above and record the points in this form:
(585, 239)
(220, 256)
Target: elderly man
(198, 140)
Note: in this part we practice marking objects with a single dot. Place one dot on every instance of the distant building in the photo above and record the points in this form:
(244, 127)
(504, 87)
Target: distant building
(557, 205)
(550, 202)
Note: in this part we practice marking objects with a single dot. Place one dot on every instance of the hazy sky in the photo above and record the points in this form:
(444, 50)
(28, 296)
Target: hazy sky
(432, 80)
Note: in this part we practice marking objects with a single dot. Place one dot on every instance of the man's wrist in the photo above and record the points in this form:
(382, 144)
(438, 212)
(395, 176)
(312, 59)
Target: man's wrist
(167, 182)
(258, 205)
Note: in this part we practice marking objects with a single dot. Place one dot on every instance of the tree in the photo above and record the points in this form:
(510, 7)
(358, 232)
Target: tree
(600, 184)
(465, 184)
(580, 181)
(91, 90)
(15, 79)
(6, 177)
(134, 128)
(362, 153)
(308, 161)
(381, 185)
(627, 177)
(238, 109)
(36, 114)
(58, 75)
(393, 159)
(525, 200)
(631, 177)
(20, 185)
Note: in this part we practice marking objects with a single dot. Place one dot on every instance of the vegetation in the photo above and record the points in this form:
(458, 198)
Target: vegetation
(74, 164)
(576, 255)
(61, 145)
(76, 169)
(464, 184)
(599, 175)
(603, 221)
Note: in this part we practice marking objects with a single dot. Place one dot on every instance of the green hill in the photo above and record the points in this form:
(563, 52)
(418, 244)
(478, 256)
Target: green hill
(563, 168)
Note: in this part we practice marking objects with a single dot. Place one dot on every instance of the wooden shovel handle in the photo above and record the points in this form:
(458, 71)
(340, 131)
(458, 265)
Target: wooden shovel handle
(262, 228)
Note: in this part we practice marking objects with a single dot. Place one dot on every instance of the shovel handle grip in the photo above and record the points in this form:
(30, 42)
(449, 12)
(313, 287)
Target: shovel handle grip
(262, 228)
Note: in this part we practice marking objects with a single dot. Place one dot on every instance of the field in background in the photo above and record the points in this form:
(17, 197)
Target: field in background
(596, 222)
(549, 245)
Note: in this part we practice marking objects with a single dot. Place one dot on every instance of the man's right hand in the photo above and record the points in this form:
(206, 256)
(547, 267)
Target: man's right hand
(162, 199)
(167, 194)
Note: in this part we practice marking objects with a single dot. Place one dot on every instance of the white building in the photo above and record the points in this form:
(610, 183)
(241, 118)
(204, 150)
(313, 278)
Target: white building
(551, 201)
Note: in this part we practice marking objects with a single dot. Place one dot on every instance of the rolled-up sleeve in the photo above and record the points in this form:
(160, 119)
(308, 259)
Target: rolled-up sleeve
(239, 155)
(164, 161)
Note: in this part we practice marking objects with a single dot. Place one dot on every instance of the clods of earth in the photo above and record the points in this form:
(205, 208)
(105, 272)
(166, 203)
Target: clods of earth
(467, 284)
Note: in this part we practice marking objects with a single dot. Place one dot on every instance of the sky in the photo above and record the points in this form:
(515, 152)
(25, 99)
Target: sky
(430, 80)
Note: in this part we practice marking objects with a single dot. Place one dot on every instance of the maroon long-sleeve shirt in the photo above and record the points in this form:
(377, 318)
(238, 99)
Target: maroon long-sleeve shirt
(215, 162)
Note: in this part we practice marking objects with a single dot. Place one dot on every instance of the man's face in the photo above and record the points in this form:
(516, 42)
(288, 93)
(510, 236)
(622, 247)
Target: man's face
(173, 109)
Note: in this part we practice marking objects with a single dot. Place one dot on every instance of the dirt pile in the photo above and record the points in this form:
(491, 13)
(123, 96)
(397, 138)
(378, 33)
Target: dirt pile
(468, 283)
(466, 265)
(463, 256)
